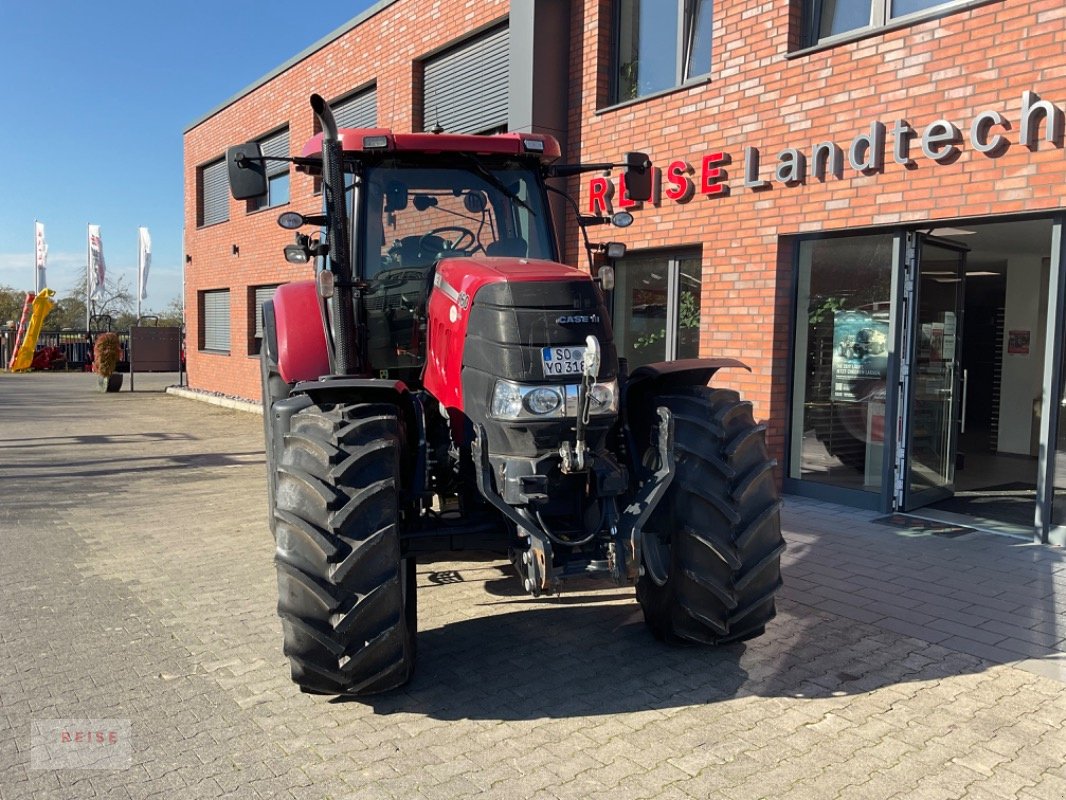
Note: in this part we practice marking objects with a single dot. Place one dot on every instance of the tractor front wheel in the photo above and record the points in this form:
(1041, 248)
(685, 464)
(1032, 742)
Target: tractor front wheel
(713, 546)
(346, 598)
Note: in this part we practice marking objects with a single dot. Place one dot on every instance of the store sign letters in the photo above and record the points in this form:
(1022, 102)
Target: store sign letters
(941, 141)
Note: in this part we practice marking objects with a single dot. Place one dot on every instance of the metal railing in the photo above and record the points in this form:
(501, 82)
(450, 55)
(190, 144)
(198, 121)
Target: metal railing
(76, 347)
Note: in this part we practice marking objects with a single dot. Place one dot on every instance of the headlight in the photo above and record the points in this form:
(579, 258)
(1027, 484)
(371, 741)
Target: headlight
(507, 400)
(604, 398)
(515, 401)
(542, 401)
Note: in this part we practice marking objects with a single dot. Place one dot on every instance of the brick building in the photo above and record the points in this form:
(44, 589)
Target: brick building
(840, 187)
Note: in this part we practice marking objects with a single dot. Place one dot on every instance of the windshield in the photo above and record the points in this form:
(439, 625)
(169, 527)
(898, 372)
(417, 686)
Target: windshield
(418, 215)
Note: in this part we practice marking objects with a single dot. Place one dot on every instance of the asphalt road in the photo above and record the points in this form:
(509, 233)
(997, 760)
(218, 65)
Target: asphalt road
(137, 599)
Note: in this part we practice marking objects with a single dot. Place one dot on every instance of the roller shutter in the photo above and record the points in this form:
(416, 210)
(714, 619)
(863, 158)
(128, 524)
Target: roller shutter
(359, 110)
(215, 320)
(262, 294)
(465, 88)
(215, 193)
(276, 145)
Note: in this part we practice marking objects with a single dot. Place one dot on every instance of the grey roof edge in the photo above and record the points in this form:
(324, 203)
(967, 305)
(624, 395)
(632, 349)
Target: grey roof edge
(379, 6)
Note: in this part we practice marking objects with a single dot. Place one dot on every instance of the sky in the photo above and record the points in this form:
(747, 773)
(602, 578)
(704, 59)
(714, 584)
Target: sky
(93, 104)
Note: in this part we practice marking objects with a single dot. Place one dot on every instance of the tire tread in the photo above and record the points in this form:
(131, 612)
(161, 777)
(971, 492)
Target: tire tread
(341, 580)
(721, 516)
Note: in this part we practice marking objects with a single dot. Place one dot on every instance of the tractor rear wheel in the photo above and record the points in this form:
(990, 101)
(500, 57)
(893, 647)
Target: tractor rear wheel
(345, 597)
(713, 546)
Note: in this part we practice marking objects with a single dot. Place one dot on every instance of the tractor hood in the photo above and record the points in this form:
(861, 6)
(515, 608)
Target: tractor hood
(494, 316)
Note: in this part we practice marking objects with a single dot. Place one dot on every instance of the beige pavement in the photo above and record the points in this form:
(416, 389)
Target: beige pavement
(136, 582)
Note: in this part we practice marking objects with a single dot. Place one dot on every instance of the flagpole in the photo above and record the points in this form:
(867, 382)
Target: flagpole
(88, 266)
(140, 266)
(36, 271)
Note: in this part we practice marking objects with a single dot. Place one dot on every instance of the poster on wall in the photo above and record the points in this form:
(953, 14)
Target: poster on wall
(1018, 343)
(860, 354)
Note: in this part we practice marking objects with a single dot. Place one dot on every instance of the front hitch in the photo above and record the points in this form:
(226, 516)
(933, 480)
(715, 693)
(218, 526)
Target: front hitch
(630, 533)
(538, 558)
(625, 530)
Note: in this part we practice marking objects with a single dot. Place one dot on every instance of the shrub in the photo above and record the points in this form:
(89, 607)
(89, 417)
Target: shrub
(105, 354)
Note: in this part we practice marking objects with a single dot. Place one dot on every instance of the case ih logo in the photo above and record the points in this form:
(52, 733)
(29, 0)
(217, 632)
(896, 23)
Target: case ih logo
(941, 141)
(578, 319)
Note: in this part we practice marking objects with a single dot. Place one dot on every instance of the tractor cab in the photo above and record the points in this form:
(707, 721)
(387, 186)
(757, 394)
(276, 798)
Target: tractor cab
(411, 201)
(410, 215)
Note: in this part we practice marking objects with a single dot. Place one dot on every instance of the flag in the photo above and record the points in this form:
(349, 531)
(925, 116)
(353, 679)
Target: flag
(41, 258)
(96, 263)
(144, 261)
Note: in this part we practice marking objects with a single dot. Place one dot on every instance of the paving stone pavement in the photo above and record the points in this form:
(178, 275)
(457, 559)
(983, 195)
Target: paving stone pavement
(136, 582)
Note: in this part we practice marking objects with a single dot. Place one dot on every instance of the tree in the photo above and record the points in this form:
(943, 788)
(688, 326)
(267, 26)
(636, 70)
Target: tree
(173, 314)
(69, 312)
(11, 302)
(115, 299)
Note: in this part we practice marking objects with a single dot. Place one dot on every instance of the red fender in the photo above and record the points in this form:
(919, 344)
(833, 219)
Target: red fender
(302, 354)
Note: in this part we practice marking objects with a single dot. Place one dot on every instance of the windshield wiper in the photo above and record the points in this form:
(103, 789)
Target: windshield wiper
(495, 182)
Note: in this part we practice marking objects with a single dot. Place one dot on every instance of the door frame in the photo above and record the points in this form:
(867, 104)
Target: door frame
(1054, 388)
(904, 498)
(1054, 384)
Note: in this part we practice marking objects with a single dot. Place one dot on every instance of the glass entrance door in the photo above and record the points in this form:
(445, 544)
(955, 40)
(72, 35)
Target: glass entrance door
(932, 386)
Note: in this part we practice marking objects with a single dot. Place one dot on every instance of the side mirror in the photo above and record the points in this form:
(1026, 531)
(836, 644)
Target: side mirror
(396, 197)
(638, 177)
(247, 173)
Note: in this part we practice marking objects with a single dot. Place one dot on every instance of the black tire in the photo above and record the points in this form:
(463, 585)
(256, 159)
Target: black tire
(712, 549)
(345, 597)
(274, 388)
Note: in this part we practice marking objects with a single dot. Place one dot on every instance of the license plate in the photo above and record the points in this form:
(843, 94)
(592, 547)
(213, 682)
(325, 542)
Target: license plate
(563, 360)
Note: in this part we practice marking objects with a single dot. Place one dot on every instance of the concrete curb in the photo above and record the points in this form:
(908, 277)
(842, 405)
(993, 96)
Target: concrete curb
(216, 400)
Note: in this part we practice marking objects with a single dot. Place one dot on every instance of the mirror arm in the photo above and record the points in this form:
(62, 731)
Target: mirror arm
(568, 170)
(585, 220)
(300, 161)
(580, 225)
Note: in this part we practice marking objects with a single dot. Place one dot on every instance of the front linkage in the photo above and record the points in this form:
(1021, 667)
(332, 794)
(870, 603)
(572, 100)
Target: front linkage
(536, 563)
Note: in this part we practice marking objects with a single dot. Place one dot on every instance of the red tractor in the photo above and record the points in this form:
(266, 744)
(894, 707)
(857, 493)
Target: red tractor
(444, 383)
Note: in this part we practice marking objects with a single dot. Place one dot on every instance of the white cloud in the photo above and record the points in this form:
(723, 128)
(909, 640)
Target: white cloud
(66, 269)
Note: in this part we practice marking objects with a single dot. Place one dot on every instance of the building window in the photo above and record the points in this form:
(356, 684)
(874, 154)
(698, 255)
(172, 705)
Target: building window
(357, 110)
(660, 45)
(826, 19)
(843, 312)
(277, 172)
(466, 88)
(213, 205)
(257, 295)
(214, 320)
(657, 306)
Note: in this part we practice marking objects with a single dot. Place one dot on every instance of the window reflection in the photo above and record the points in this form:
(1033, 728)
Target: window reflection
(657, 307)
(838, 16)
(659, 45)
(843, 299)
(641, 296)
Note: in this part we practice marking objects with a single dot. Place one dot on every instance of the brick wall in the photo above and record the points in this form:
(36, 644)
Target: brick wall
(385, 48)
(953, 68)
